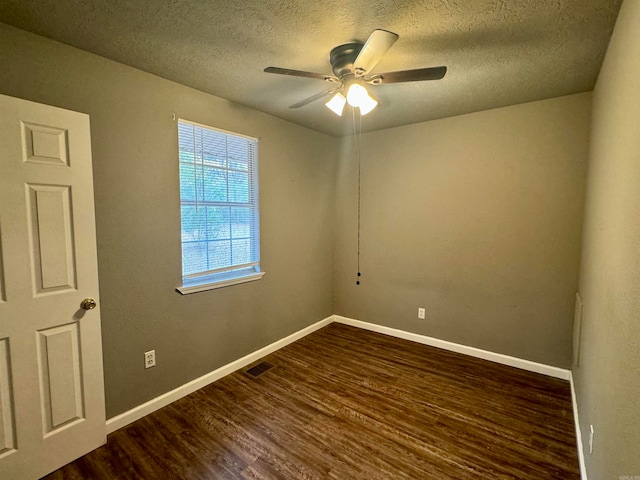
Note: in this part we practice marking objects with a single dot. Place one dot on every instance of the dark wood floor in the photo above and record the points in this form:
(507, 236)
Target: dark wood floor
(344, 403)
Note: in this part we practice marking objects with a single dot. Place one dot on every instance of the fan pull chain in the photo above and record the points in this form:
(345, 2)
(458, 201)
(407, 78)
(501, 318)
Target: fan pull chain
(357, 133)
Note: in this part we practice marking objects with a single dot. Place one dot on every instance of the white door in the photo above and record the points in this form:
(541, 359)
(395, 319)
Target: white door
(51, 383)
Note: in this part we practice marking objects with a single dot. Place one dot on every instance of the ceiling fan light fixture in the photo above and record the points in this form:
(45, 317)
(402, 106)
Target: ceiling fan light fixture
(356, 94)
(336, 104)
(359, 96)
(367, 104)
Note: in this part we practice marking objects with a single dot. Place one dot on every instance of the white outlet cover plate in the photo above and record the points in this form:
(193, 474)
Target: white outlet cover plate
(150, 359)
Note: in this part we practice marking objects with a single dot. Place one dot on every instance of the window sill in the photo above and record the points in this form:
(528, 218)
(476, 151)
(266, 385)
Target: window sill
(202, 285)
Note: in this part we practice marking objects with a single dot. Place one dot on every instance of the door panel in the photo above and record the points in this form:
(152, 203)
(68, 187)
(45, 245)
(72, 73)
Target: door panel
(7, 420)
(52, 248)
(51, 381)
(44, 144)
(60, 387)
(2, 294)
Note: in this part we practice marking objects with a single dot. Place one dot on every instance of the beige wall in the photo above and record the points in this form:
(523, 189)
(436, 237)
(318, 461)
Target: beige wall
(134, 143)
(477, 218)
(608, 378)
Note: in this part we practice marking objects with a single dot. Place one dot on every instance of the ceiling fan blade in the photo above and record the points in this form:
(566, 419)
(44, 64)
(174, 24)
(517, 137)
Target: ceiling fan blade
(300, 73)
(377, 45)
(313, 98)
(420, 74)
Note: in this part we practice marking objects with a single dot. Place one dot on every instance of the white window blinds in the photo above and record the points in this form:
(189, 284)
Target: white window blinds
(219, 203)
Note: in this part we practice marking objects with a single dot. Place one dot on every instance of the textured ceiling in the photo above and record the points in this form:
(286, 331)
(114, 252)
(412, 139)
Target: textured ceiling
(499, 52)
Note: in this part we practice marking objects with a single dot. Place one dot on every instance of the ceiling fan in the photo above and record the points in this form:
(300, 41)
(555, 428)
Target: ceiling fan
(352, 64)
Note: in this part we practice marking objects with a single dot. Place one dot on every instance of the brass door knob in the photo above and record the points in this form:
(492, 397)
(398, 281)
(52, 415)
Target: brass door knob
(88, 304)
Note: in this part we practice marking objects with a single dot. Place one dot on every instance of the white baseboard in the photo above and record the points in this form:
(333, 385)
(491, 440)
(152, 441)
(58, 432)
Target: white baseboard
(576, 419)
(165, 399)
(464, 349)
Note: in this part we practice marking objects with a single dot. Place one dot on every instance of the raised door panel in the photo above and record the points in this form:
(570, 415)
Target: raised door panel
(3, 295)
(44, 144)
(60, 377)
(7, 414)
(52, 246)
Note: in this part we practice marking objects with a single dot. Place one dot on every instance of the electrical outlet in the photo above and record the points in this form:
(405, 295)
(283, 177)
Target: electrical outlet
(591, 439)
(150, 359)
(421, 313)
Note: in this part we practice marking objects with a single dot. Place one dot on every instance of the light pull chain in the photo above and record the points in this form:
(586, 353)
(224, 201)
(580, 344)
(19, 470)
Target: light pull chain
(357, 133)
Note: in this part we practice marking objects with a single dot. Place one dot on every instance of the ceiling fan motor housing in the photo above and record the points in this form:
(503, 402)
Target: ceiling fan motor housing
(342, 58)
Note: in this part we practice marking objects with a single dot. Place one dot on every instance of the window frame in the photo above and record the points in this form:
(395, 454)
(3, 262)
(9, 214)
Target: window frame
(229, 275)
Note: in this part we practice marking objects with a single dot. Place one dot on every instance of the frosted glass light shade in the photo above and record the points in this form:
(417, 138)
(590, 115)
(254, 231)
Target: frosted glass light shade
(367, 104)
(336, 104)
(358, 96)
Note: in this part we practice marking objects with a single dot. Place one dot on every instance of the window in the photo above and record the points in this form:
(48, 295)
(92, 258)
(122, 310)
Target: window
(219, 208)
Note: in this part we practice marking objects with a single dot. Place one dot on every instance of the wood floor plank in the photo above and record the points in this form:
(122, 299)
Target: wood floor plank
(344, 403)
